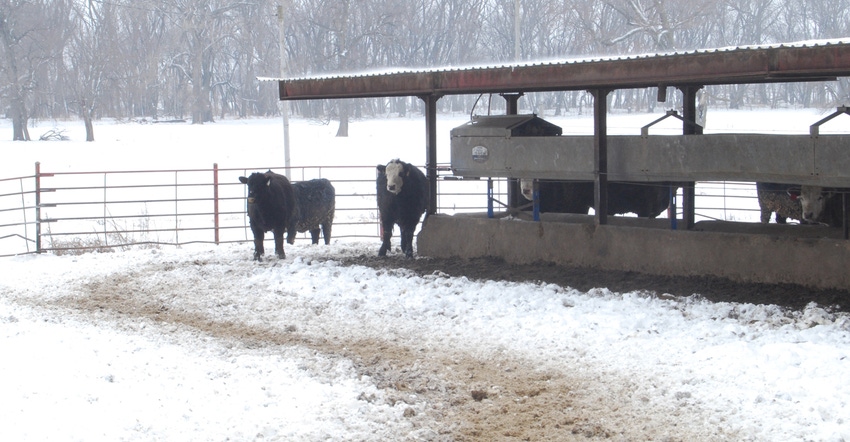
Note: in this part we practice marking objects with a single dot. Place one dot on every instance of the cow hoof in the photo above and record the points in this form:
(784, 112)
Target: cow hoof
(258, 258)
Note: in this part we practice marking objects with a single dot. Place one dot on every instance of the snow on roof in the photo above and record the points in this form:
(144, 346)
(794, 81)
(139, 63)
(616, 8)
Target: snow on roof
(562, 61)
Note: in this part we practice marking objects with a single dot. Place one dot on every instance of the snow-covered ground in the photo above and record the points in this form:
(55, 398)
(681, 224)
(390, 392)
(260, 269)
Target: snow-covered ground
(201, 343)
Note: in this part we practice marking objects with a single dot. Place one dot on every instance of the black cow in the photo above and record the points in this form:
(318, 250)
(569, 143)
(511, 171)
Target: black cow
(276, 204)
(403, 197)
(646, 200)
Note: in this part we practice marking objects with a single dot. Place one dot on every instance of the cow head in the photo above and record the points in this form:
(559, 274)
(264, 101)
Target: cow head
(526, 186)
(258, 185)
(396, 171)
(813, 200)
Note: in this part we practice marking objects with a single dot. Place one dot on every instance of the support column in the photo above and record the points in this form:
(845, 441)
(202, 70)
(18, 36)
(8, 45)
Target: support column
(431, 148)
(689, 115)
(512, 108)
(512, 102)
(600, 154)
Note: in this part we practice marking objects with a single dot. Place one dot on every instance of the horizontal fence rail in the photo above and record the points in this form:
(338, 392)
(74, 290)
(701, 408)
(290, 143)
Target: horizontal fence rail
(72, 212)
(66, 212)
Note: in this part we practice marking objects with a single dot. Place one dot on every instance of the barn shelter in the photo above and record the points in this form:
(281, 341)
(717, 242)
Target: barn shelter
(782, 256)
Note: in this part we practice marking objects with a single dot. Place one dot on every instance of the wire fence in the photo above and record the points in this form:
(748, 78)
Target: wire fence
(73, 212)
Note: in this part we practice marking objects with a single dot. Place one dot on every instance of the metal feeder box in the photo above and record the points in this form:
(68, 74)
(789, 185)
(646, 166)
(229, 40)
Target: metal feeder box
(525, 146)
(515, 146)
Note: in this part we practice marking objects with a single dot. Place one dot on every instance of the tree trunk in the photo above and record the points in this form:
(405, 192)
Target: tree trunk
(197, 86)
(87, 119)
(18, 97)
(343, 119)
(19, 121)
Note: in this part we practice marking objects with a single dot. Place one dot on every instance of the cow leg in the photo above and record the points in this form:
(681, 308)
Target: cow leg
(314, 234)
(407, 241)
(387, 234)
(278, 243)
(765, 215)
(326, 232)
(259, 250)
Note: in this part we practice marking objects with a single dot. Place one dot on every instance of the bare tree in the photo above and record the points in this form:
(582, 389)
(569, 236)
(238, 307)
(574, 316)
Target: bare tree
(658, 20)
(146, 58)
(201, 27)
(32, 34)
(90, 56)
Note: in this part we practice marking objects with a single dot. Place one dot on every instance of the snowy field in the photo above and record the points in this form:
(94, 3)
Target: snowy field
(121, 166)
(201, 343)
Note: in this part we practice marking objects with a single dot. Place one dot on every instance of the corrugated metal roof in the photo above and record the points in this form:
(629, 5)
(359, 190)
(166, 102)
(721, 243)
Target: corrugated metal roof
(401, 70)
(798, 61)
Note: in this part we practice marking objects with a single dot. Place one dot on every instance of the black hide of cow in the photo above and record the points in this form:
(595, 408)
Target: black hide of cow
(314, 210)
(403, 208)
(646, 200)
(270, 205)
(275, 204)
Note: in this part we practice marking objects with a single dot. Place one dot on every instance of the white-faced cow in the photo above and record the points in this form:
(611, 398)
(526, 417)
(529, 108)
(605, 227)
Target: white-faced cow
(403, 197)
(822, 205)
(275, 204)
(646, 200)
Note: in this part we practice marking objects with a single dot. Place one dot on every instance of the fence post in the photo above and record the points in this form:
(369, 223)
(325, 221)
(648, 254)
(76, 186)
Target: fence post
(490, 197)
(215, 201)
(37, 207)
(176, 206)
(105, 209)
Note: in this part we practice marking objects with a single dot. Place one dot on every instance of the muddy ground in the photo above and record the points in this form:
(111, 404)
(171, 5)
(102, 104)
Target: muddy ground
(714, 289)
(448, 394)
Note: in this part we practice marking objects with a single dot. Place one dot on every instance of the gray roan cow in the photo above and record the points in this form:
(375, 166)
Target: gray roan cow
(275, 204)
(781, 199)
(403, 197)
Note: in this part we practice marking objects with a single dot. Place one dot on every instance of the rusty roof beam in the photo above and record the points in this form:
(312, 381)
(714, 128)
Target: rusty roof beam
(734, 66)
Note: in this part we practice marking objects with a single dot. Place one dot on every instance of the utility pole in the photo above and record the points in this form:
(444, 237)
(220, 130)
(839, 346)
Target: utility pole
(284, 105)
(516, 30)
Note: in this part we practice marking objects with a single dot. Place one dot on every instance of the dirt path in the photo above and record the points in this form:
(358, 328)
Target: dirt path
(469, 398)
(468, 395)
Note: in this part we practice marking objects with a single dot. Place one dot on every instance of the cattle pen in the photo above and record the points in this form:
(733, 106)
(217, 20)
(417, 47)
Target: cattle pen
(74, 212)
(687, 249)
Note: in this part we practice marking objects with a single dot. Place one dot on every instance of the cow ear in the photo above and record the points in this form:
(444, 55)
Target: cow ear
(794, 193)
(243, 180)
(381, 168)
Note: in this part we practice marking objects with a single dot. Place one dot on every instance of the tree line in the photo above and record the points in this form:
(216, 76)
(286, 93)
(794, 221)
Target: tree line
(200, 59)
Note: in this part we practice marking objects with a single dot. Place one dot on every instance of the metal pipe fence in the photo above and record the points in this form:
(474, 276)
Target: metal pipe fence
(72, 212)
(66, 212)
